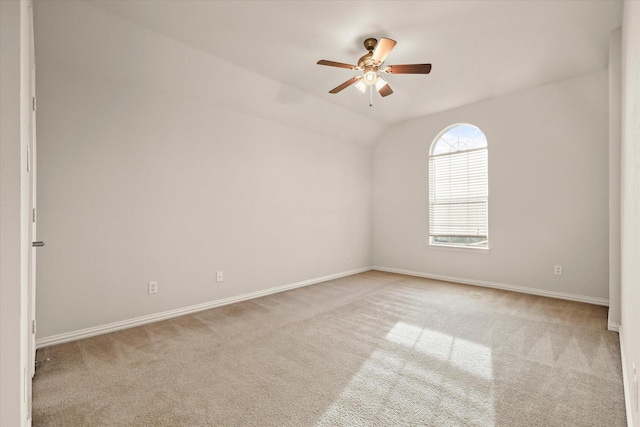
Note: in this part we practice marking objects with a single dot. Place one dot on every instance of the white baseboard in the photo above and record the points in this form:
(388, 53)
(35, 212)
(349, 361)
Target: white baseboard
(625, 380)
(613, 327)
(521, 289)
(138, 321)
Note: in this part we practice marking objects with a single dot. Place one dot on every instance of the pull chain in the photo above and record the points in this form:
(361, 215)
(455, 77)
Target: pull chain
(370, 96)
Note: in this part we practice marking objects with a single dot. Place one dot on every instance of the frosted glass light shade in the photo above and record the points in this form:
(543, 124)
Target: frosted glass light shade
(380, 83)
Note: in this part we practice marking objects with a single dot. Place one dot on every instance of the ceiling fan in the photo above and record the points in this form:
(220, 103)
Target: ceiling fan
(371, 63)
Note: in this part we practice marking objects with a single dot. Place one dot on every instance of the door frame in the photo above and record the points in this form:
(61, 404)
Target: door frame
(32, 167)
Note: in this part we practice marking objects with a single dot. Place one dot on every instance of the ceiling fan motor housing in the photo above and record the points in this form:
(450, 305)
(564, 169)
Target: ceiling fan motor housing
(367, 64)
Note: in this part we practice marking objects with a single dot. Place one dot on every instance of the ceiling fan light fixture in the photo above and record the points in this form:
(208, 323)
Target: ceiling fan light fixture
(361, 86)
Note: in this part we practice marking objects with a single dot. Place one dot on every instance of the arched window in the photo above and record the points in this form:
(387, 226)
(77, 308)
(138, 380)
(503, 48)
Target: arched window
(458, 188)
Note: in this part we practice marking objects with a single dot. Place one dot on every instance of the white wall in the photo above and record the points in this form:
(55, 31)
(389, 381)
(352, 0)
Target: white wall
(615, 165)
(630, 338)
(548, 185)
(145, 175)
(14, 203)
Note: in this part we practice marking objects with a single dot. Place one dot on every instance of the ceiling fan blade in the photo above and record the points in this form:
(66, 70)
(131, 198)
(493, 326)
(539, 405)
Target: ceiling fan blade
(348, 83)
(408, 69)
(385, 90)
(383, 48)
(337, 64)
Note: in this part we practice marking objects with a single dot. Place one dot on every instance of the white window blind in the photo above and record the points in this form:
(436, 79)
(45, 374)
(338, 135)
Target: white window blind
(458, 194)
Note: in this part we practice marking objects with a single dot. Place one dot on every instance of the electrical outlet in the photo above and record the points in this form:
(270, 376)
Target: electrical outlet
(219, 276)
(153, 287)
(557, 269)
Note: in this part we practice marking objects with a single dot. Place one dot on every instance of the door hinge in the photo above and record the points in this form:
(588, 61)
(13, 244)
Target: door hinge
(34, 215)
(33, 326)
(33, 103)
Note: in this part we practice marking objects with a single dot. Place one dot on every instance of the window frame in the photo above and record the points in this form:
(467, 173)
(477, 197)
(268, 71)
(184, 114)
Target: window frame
(448, 245)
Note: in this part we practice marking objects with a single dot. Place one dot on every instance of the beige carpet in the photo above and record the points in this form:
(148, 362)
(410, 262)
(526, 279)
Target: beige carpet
(373, 349)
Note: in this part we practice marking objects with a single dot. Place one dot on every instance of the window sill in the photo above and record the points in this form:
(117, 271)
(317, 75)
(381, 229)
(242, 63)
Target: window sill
(472, 249)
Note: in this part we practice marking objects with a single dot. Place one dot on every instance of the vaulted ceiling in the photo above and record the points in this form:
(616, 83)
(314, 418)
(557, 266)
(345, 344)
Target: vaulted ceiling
(479, 49)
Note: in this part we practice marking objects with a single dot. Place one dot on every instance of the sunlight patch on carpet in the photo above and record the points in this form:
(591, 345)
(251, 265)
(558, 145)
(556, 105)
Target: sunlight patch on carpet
(406, 383)
(469, 356)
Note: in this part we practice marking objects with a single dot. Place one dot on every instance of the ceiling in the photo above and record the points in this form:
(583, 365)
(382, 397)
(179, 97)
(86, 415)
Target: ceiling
(479, 49)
